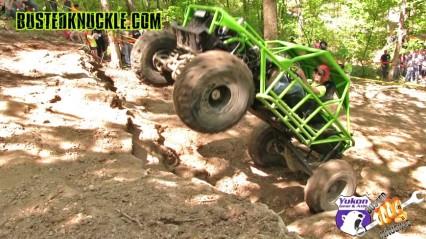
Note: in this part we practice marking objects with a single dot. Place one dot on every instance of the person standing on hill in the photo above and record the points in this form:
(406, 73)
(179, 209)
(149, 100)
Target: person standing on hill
(53, 5)
(384, 62)
(99, 36)
(323, 45)
(410, 75)
(67, 6)
(31, 4)
(75, 8)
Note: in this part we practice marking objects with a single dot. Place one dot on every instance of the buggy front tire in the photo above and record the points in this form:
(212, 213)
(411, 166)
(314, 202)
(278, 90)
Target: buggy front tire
(145, 55)
(328, 182)
(213, 92)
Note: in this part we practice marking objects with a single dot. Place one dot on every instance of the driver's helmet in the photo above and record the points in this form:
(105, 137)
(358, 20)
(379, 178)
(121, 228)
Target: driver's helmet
(325, 72)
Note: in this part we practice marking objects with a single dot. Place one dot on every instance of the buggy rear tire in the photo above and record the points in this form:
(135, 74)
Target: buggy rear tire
(147, 48)
(213, 92)
(330, 180)
(262, 147)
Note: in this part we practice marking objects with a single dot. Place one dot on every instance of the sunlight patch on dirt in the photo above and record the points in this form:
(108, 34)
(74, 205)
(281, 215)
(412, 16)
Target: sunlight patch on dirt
(374, 180)
(27, 63)
(237, 184)
(401, 162)
(418, 95)
(78, 219)
(32, 210)
(258, 172)
(122, 179)
(203, 199)
(288, 184)
(419, 174)
(15, 156)
(216, 165)
(163, 184)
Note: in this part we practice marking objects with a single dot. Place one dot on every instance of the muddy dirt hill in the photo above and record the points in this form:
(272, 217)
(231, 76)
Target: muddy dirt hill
(91, 152)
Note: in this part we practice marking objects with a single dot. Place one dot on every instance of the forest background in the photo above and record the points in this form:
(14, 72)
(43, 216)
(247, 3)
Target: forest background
(356, 29)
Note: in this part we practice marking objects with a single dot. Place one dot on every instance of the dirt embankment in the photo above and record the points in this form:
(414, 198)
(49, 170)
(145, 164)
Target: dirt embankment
(66, 163)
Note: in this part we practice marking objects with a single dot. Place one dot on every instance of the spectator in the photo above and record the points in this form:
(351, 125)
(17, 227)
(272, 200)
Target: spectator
(424, 70)
(420, 60)
(31, 4)
(53, 5)
(384, 62)
(410, 70)
(75, 8)
(402, 63)
(7, 6)
(126, 46)
(2, 7)
(90, 36)
(317, 44)
(67, 6)
(16, 6)
(416, 60)
(127, 40)
(99, 35)
(67, 34)
(323, 45)
(341, 63)
(77, 37)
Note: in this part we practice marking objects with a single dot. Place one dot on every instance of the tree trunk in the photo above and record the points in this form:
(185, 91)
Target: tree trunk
(367, 45)
(270, 19)
(393, 73)
(245, 7)
(113, 46)
(300, 20)
(146, 5)
(130, 6)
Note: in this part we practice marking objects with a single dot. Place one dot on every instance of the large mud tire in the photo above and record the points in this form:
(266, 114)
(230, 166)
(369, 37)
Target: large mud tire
(144, 52)
(327, 183)
(213, 92)
(262, 147)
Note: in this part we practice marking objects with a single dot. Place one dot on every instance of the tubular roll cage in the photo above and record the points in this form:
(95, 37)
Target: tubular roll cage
(308, 58)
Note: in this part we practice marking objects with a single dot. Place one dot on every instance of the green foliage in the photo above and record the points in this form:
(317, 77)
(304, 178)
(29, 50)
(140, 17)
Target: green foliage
(414, 44)
(356, 29)
(417, 12)
(173, 13)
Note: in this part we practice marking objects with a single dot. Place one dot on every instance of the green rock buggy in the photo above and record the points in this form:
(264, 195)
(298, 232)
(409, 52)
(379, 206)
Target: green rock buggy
(222, 68)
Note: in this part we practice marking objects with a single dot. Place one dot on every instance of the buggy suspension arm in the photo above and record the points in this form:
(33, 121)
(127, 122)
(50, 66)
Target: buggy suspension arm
(308, 169)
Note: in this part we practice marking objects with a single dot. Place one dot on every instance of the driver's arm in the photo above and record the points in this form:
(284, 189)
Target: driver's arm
(302, 76)
(317, 91)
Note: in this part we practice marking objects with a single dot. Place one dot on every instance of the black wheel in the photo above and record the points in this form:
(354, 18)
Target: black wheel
(328, 182)
(147, 53)
(263, 148)
(213, 92)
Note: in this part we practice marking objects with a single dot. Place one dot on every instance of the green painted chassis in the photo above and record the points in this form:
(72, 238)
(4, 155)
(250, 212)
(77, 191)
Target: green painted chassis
(308, 58)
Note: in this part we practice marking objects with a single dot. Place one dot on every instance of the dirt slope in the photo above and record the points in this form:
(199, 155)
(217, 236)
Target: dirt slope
(66, 163)
(68, 171)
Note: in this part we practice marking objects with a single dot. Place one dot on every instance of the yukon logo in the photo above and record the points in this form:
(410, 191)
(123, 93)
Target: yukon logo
(352, 214)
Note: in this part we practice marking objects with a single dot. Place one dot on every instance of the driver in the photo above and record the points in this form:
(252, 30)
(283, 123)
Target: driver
(321, 75)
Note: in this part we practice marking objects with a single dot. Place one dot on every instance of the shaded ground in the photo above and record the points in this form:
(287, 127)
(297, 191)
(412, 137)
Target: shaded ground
(68, 171)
